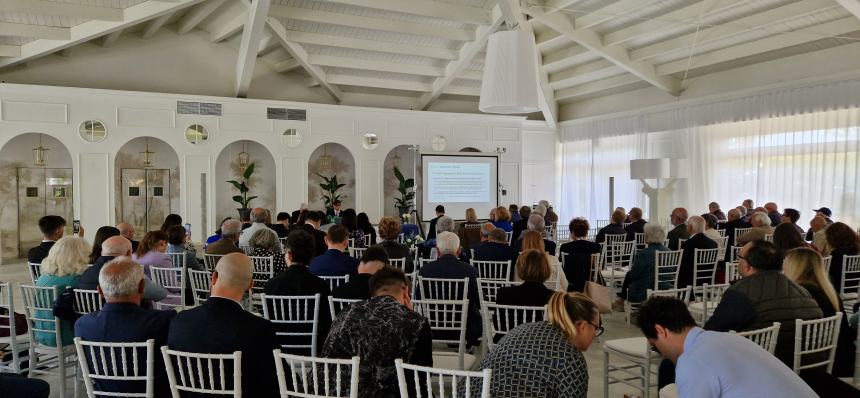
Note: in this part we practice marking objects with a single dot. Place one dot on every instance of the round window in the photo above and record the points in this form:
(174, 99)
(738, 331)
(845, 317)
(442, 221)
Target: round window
(93, 131)
(196, 134)
(370, 141)
(439, 142)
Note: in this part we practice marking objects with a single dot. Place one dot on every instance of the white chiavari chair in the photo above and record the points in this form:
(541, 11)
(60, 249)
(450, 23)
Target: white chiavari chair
(46, 358)
(765, 338)
(172, 279)
(87, 301)
(500, 270)
(212, 374)
(449, 381)
(316, 377)
(816, 336)
(131, 364)
(336, 305)
(335, 281)
(296, 319)
(201, 285)
(447, 317)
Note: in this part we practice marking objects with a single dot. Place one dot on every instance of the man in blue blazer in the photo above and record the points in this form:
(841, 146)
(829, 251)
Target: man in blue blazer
(496, 247)
(335, 261)
(123, 320)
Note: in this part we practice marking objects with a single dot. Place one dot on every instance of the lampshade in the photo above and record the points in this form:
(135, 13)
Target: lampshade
(510, 85)
(244, 158)
(647, 169)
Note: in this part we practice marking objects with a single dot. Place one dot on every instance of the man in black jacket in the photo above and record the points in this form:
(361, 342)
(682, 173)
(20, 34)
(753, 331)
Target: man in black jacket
(522, 224)
(735, 221)
(52, 228)
(678, 218)
(312, 226)
(431, 232)
(698, 240)
(358, 287)
(637, 224)
(536, 223)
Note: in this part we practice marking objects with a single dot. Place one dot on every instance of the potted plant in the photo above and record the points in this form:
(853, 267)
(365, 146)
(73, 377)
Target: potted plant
(330, 186)
(242, 198)
(404, 187)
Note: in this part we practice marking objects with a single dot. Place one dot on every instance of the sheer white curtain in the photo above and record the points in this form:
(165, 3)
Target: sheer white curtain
(791, 153)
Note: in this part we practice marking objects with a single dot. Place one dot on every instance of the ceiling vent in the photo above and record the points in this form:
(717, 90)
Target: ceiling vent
(198, 108)
(287, 114)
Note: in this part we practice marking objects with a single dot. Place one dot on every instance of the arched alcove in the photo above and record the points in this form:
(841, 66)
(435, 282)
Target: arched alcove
(261, 183)
(342, 165)
(29, 190)
(146, 183)
(404, 158)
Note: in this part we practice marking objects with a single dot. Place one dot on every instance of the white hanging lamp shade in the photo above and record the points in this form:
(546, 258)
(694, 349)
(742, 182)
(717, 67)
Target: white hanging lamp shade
(510, 84)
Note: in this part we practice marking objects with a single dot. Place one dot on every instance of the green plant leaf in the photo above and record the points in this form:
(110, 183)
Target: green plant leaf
(247, 201)
(398, 175)
(249, 171)
(238, 199)
(236, 185)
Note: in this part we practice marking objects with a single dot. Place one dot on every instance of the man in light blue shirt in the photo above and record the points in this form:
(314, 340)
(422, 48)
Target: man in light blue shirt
(715, 364)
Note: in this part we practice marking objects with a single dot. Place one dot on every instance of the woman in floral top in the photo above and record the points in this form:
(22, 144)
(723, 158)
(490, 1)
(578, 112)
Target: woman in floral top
(264, 243)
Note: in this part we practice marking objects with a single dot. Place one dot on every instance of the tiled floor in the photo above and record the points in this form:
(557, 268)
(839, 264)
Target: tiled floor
(615, 328)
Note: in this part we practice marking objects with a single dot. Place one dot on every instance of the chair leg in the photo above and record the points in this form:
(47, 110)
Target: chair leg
(61, 370)
(605, 374)
(646, 381)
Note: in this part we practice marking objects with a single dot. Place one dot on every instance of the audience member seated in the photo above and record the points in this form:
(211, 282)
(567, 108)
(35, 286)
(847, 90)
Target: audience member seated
(312, 226)
(52, 228)
(113, 247)
(712, 364)
(358, 287)
(698, 240)
(389, 229)
(409, 228)
(214, 238)
(520, 362)
(171, 220)
(533, 269)
(470, 231)
(817, 234)
(177, 238)
(127, 231)
(735, 221)
(431, 231)
(123, 320)
(297, 280)
(222, 326)
(711, 227)
(773, 213)
(824, 213)
(228, 243)
(334, 212)
(678, 218)
(350, 221)
(714, 209)
(443, 224)
(495, 248)
(636, 223)
(786, 238)
(282, 224)
(258, 220)
(515, 213)
(150, 251)
(102, 234)
(843, 241)
(365, 227)
(335, 261)
(536, 224)
(578, 252)
(19, 386)
(523, 224)
(264, 243)
(616, 227)
(640, 278)
(503, 219)
(760, 227)
(379, 330)
(790, 216)
(66, 261)
(764, 296)
(804, 267)
(550, 218)
(448, 266)
(532, 240)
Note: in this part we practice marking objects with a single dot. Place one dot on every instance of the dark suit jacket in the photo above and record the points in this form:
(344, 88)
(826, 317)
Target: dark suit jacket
(679, 232)
(334, 263)
(281, 230)
(134, 244)
(517, 229)
(697, 241)
(398, 250)
(38, 253)
(89, 280)
(221, 326)
(634, 228)
(533, 294)
(298, 281)
(357, 288)
(494, 251)
(223, 246)
(129, 323)
(611, 229)
(431, 233)
(319, 239)
(548, 246)
(577, 262)
(730, 227)
(449, 267)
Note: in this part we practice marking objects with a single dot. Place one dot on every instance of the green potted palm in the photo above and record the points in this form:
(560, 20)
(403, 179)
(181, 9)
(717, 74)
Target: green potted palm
(242, 198)
(404, 187)
(330, 186)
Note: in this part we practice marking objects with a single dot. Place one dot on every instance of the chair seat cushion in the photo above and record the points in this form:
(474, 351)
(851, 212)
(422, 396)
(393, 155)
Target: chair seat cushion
(635, 346)
(450, 360)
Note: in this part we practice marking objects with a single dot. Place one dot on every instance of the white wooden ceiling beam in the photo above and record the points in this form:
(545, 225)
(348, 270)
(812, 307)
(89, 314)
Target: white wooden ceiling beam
(228, 29)
(370, 45)
(62, 9)
(154, 26)
(286, 66)
(355, 21)
(268, 42)
(853, 6)
(577, 92)
(426, 8)
(583, 73)
(93, 29)
(109, 39)
(250, 44)
(567, 58)
(813, 33)
(683, 16)
(746, 24)
(301, 56)
(379, 66)
(34, 31)
(392, 84)
(10, 51)
(197, 15)
(618, 55)
(607, 13)
(558, 5)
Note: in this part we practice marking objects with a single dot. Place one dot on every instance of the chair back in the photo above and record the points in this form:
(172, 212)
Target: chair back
(711, 296)
(499, 270)
(850, 280)
(732, 273)
(501, 319)
(357, 252)
(765, 338)
(247, 249)
(178, 259)
(682, 294)
(39, 311)
(336, 305)
(213, 374)
(9, 325)
(735, 253)
(283, 241)
(704, 267)
(722, 243)
(211, 260)
(442, 289)
(474, 384)
(35, 271)
(619, 254)
(639, 238)
(601, 223)
(335, 281)
(489, 288)
(296, 319)
(740, 232)
(201, 285)
(399, 263)
(666, 266)
(316, 377)
(421, 262)
(87, 301)
(768, 238)
(825, 262)
(596, 267)
(816, 336)
(446, 317)
(172, 279)
(562, 233)
(264, 269)
(722, 232)
(508, 237)
(128, 364)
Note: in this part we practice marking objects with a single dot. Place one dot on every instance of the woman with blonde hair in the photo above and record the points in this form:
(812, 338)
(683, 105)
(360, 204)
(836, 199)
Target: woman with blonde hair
(532, 240)
(805, 267)
(66, 261)
(470, 230)
(519, 361)
(503, 219)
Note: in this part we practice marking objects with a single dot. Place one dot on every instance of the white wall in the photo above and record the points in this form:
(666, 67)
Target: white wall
(57, 112)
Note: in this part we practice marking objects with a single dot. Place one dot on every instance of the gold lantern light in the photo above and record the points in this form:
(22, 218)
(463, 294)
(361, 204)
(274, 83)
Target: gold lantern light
(40, 155)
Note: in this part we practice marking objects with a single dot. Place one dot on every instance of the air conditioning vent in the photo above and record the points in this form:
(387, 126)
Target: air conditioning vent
(286, 114)
(297, 114)
(198, 108)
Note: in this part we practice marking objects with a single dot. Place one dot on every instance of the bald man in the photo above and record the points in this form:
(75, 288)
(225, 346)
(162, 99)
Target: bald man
(678, 218)
(114, 247)
(123, 320)
(698, 240)
(258, 222)
(126, 230)
(232, 328)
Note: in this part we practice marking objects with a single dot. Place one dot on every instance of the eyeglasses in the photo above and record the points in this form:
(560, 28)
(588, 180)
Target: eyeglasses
(598, 329)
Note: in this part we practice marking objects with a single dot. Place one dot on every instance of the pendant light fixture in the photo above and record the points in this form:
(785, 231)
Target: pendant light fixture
(244, 157)
(147, 157)
(324, 161)
(509, 84)
(40, 155)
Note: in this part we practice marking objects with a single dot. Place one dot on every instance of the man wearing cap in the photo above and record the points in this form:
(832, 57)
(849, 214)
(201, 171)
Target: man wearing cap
(823, 212)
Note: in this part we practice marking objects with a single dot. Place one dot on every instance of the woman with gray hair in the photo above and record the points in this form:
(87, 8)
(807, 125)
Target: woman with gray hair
(641, 275)
(264, 243)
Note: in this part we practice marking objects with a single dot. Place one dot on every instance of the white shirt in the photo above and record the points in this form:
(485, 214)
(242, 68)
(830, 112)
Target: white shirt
(249, 232)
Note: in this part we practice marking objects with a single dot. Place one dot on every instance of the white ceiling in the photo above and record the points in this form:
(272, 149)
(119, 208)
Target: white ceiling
(427, 48)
